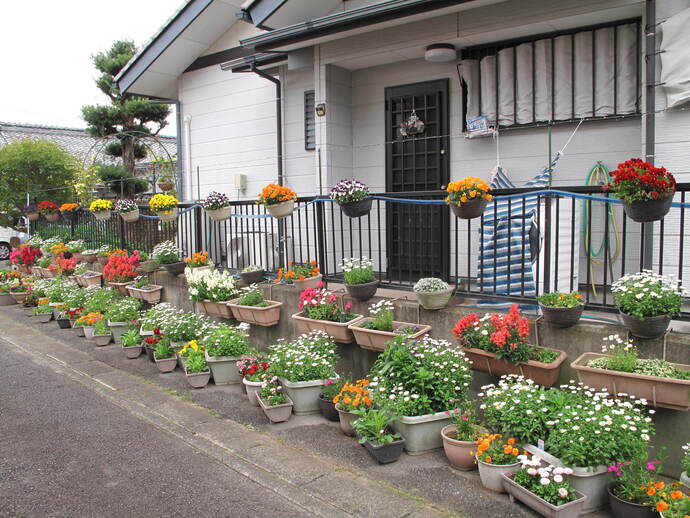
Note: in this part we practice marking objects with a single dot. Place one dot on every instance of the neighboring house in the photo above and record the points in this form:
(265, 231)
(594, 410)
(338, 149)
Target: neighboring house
(369, 63)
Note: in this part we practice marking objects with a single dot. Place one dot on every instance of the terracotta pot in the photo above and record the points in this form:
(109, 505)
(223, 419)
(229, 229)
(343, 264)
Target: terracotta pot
(252, 389)
(198, 379)
(650, 210)
(133, 351)
(362, 291)
(102, 340)
(89, 258)
(309, 282)
(53, 216)
(561, 317)
(436, 299)
(220, 214)
(91, 279)
(339, 331)
(281, 210)
(121, 287)
(376, 340)
(102, 215)
(545, 374)
(328, 409)
(460, 454)
(648, 328)
(277, 413)
(623, 509)
(168, 215)
(261, 316)
(357, 209)
(346, 419)
(215, 309)
(151, 295)
(175, 268)
(166, 364)
(253, 277)
(470, 209)
(658, 391)
(33, 216)
(130, 217)
(491, 475)
(541, 506)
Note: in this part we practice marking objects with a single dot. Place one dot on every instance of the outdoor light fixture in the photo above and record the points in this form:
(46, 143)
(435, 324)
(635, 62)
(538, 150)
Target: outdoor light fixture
(320, 109)
(440, 53)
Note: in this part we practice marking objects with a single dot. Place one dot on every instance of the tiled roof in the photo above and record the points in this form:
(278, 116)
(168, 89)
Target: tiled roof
(73, 140)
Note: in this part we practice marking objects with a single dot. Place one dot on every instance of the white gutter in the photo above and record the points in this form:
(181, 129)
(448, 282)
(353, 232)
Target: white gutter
(187, 121)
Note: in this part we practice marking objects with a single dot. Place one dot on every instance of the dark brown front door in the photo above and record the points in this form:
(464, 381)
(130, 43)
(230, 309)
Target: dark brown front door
(418, 241)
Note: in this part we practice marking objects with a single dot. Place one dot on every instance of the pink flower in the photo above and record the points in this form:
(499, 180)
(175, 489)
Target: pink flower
(348, 306)
(563, 492)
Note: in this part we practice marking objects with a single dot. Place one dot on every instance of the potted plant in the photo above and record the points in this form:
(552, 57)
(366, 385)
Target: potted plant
(460, 438)
(279, 200)
(274, 402)
(150, 343)
(63, 320)
(168, 256)
(252, 308)
(104, 254)
(375, 331)
(44, 312)
(404, 379)
(211, 290)
(433, 293)
(329, 390)
(199, 261)
(6, 298)
(63, 267)
(252, 368)
(89, 255)
(142, 289)
(31, 211)
(618, 369)
(561, 309)
(120, 315)
(303, 366)
(196, 369)
(468, 197)
(252, 274)
(25, 256)
(164, 206)
(30, 302)
(302, 276)
(500, 345)
(181, 327)
(646, 302)
(102, 209)
(164, 357)
(44, 263)
(358, 274)
(353, 198)
(49, 210)
(18, 291)
(120, 270)
(101, 334)
(630, 494)
(673, 503)
(128, 210)
(321, 310)
(90, 278)
(217, 206)
(131, 344)
(148, 264)
(685, 464)
(544, 488)
(76, 247)
(352, 398)
(225, 345)
(74, 315)
(496, 457)
(373, 429)
(645, 191)
(87, 321)
(70, 211)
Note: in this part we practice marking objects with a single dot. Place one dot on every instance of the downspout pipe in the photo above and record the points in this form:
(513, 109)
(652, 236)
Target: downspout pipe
(279, 118)
(650, 108)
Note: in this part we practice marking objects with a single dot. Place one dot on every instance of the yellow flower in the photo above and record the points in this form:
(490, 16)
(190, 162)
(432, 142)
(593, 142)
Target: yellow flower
(163, 203)
(100, 205)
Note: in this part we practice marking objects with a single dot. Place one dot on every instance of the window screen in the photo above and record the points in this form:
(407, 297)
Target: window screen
(589, 72)
(309, 121)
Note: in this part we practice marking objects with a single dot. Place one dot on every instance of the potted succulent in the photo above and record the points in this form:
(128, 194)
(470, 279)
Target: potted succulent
(329, 390)
(164, 357)
(31, 211)
(252, 368)
(199, 261)
(468, 197)
(142, 289)
(645, 191)
(217, 206)
(353, 198)
(460, 438)
(433, 293)
(544, 488)
(352, 398)
(496, 457)
(403, 379)
(101, 334)
(101, 209)
(120, 270)
(196, 369)
(252, 308)
(358, 274)
(373, 429)
(375, 331)
(500, 345)
(164, 206)
(646, 302)
(128, 210)
(322, 310)
(279, 200)
(685, 464)
(630, 494)
(302, 276)
(224, 346)
(211, 290)
(561, 309)
(131, 344)
(120, 315)
(274, 402)
(168, 256)
(49, 210)
(618, 369)
(44, 312)
(252, 274)
(303, 366)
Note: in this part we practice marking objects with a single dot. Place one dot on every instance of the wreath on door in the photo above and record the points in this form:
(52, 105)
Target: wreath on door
(413, 125)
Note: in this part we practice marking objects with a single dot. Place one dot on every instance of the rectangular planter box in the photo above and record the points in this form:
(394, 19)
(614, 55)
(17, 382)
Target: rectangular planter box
(120, 286)
(376, 340)
(267, 316)
(545, 374)
(223, 369)
(92, 279)
(151, 295)
(662, 392)
(337, 330)
(277, 413)
(214, 309)
(422, 433)
(385, 453)
(541, 506)
(304, 395)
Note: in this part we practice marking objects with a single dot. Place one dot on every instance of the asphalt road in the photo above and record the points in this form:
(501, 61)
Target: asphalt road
(66, 451)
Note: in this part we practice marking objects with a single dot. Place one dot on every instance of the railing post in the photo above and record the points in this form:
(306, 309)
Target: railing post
(197, 225)
(547, 247)
(320, 238)
(123, 237)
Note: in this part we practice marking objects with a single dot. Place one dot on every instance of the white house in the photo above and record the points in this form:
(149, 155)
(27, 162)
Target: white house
(248, 77)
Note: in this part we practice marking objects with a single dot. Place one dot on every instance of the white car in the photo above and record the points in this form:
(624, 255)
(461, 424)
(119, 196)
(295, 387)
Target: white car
(8, 238)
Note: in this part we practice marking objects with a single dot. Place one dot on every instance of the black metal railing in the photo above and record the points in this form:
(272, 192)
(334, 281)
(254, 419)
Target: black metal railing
(572, 244)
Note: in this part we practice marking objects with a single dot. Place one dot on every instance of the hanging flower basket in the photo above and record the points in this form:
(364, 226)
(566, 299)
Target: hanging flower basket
(650, 210)
(648, 327)
(165, 185)
(279, 200)
(217, 206)
(281, 210)
(468, 197)
(33, 216)
(219, 214)
(130, 217)
(253, 276)
(53, 216)
(167, 215)
(411, 126)
(469, 210)
(353, 198)
(102, 215)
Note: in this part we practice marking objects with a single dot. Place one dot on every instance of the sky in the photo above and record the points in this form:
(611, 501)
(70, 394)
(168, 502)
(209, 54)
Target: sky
(45, 53)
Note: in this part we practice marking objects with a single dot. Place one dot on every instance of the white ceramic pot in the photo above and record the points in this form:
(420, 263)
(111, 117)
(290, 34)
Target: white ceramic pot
(253, 389)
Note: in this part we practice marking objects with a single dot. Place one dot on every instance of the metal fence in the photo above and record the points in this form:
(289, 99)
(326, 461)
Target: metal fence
(574, 244)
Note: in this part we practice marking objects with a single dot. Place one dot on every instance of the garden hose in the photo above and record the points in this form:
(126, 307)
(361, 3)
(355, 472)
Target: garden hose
(599, 175)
